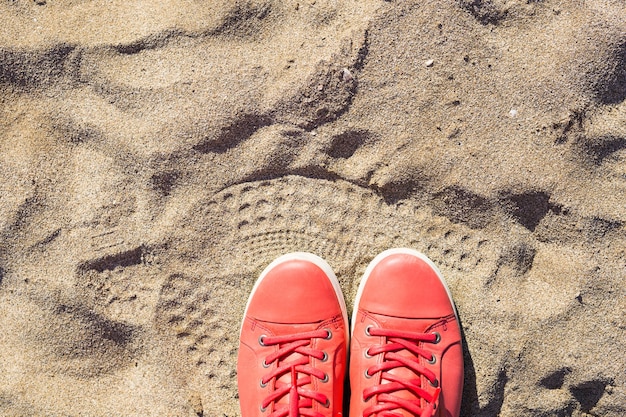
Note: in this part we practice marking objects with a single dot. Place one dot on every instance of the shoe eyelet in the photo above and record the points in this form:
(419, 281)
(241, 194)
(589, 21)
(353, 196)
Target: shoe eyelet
(367, 330)
(265, 364)
(326, 404)
(325, 379)
(367, 375)
(437, 337)
(329, 334)
(325, 357)
(263, 385)
(263, 409)
(433, 360)
(263, 336)
(434, 384)
(367, 355)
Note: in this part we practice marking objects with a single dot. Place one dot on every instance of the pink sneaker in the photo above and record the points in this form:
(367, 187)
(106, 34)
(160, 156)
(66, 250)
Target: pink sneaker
(406, 357)
(293, 341)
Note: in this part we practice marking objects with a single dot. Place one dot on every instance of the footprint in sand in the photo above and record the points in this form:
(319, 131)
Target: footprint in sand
(259, 220)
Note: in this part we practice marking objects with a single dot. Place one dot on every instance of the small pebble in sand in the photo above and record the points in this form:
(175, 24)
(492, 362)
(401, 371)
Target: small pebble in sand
(429, 63)
(513, 113)
(346, 75)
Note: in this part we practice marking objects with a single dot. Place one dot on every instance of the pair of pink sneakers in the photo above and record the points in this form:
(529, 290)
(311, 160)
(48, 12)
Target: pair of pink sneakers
(405, 348)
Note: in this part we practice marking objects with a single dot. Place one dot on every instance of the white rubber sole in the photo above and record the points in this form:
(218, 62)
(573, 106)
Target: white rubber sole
(314, 259)
(384, 255)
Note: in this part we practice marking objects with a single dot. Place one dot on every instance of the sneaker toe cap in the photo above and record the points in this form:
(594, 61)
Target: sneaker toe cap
(403, 285)
(295, 291)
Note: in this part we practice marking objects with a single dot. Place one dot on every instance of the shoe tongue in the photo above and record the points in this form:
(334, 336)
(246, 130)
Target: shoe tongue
(279, 329)
(403, 373)
(287, 379)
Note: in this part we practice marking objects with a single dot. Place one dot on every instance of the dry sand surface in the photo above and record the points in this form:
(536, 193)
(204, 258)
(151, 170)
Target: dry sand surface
(156, 155)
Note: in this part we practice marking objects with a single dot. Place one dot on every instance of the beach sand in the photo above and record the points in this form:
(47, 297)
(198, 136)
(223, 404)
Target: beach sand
(156, 156)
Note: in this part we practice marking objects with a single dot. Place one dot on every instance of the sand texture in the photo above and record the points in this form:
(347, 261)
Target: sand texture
(155, 156)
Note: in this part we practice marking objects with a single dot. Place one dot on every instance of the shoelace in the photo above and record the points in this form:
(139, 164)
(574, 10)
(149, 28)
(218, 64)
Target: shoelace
(300, 400)
(386, 402)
